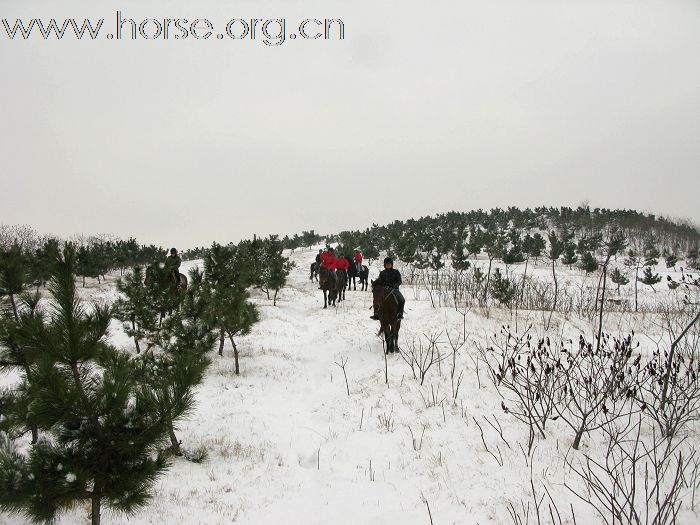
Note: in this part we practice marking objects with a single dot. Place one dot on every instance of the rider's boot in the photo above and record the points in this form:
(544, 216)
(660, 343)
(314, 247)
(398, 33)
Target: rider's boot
(375, 315)
(399, 315)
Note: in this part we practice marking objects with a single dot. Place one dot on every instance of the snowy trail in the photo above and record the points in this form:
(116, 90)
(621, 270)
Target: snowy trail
(286, 444)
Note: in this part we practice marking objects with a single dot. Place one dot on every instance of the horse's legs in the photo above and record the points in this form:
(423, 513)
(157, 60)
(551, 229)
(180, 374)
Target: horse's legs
(388, 339)
(325, 299)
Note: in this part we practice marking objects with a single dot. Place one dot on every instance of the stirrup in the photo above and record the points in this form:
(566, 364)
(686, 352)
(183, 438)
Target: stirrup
(375, 317)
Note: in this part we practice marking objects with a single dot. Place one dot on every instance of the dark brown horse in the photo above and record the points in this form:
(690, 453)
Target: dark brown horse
(353, 274)
(314, 271)
(327, 283)
(388, 308)
(157, 273)
(340, 284)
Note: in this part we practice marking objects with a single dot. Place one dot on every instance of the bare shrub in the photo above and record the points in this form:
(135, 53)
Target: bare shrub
(526, 376)
(637, 481)
(422, 357)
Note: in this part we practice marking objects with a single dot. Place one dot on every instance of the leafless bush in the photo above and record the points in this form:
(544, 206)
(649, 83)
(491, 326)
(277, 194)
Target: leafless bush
(638, 481)
(597, 384)
(681, 404)
(386, 420)
(417, 443)
(526, 376)
(456, 344)
(535, 512)
(422, 357)
(434, 398)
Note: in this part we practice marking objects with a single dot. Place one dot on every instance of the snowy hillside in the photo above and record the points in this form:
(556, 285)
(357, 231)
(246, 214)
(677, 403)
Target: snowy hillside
(287, 444)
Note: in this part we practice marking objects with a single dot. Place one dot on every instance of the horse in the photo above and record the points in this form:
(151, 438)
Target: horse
(388, 308)
(156, 273)
(340, 284)
(327, 282)
(162, 281)
(314, 272)
(353, 274)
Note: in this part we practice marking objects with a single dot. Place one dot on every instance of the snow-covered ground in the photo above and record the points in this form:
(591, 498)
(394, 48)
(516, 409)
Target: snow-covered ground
(287, 444)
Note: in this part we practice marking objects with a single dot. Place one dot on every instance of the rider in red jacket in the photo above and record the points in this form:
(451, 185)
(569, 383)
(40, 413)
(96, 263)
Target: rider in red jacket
(358, 260)
(328, 259)
(342, 264)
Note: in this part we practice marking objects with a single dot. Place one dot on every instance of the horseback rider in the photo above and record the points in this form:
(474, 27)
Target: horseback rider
(342, 264)
(390, 278)
(358, 260)
(328, 259)
(318, 258)
(172, 264)
(329, 262)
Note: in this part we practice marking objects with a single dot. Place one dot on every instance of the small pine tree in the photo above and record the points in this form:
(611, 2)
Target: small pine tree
(229, 309)
(671, 261)
(650, 278)
(13, 275)
(693, 258)
(618, 278)
(136, 309)
(502, 288)
(103, 428)
(589, 263)
(513, 255)
(276, 268)
(651, 253)
(40, 264)
(569, 257)
(459, 259)
(370, 252)
(185, 339)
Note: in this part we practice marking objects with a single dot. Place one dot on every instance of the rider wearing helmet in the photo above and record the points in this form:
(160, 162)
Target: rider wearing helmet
(390, 277)
(172, 264)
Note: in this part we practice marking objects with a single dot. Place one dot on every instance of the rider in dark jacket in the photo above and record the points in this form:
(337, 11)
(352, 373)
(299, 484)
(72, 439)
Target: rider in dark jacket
(172, 264)
(390, 277)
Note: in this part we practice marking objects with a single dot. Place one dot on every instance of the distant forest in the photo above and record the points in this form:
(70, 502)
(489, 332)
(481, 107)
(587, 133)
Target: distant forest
(510, 234)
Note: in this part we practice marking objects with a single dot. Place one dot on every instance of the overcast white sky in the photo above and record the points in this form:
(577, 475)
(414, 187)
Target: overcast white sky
(425, 107)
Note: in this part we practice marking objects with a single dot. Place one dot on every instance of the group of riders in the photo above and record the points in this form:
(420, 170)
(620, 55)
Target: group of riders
(389, 277)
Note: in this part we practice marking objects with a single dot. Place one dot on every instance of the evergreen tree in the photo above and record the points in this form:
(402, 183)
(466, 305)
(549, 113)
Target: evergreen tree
(534, 246)
(186, 337)
(136, 309)
(41, 264)
(459, 259)
(13, 275)
(370, 252)
(651, 253)
(650, 278)
(494, 243)
(276, 267)
(229, 308)
(502, 288)
(477, 239)
(671, 261)
(569, 257)
(17, 356)
(103, 428)
(588, 262)
(618, 278)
